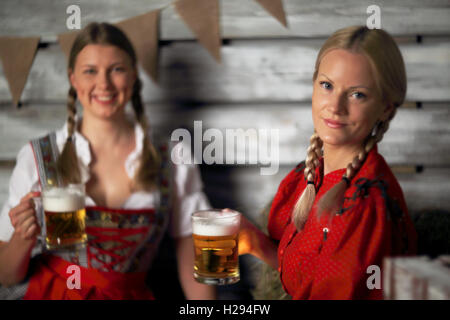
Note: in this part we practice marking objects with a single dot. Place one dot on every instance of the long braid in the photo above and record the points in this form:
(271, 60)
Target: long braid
(390, 78)
(72, 111)
(147, 173)
(304, 203)
(106, 34)
(67, 163)
(332, 201)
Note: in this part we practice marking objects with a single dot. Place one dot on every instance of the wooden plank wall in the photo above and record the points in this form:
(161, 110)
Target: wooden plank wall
(264, 82)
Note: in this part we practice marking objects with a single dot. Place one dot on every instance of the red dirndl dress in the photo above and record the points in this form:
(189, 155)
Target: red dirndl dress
(330, 258)
(121, 245)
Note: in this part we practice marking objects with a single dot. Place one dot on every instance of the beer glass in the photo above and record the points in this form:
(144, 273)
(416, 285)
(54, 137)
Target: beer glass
(64, 211)
(215, 235)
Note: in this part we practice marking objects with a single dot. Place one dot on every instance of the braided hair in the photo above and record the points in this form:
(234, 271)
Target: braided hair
(107, 34)
(390, 78)
(147, 172)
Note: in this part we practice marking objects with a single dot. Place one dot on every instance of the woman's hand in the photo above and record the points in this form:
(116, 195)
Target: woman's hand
(15, 254)
(23, 218)
(248, 235)
(253, 241)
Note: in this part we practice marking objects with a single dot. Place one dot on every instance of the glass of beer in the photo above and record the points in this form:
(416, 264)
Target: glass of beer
(64, 211)
(215, 234)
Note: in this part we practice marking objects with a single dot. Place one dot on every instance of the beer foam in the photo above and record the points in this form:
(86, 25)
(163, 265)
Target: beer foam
(62, 200)
(216, 228)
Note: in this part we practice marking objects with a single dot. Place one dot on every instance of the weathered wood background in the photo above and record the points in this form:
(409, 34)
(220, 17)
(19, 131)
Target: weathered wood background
(263, 82)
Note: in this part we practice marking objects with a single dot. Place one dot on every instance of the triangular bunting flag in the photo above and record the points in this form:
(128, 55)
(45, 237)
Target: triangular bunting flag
(275, 8)
(202, 17)
(66, 41)
(143, 33)
(17, 56)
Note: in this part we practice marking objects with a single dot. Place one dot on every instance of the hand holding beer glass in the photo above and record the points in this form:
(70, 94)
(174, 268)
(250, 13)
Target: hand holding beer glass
(64, 211)
(215, 234)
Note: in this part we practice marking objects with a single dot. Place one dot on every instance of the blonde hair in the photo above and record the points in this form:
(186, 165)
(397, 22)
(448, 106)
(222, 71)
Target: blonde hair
(390, 78)
(104, 33)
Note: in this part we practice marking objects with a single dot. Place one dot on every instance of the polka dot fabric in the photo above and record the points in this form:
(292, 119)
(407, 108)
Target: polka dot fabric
(329, 258)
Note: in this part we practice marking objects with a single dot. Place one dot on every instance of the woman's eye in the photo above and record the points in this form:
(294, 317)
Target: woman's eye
(118, 69)
(326, 85)
(89, 71)
(358, 95)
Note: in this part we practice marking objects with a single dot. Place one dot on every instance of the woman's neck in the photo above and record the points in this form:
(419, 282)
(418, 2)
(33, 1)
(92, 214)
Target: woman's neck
(105, 133)
(338, 157)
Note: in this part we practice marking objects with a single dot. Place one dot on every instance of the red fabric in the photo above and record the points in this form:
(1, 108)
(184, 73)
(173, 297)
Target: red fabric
(374, 224)
(49, 282)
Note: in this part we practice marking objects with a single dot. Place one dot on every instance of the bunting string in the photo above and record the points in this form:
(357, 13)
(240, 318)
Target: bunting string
(202, 17)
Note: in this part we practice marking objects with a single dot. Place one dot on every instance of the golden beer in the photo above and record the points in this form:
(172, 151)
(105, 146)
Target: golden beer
(64, 217)
(215, 235)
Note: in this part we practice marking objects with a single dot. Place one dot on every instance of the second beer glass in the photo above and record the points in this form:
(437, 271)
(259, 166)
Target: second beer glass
(215, 234)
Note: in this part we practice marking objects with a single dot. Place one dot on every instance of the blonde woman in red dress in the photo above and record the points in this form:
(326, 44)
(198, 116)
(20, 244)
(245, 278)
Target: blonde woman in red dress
(342, 210)
(133, 191)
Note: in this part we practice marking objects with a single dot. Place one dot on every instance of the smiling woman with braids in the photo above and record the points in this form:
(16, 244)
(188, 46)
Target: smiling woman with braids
(133, 191)
(342, 210)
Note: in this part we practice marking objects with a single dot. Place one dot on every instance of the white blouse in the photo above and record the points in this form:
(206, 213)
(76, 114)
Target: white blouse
(187, 195)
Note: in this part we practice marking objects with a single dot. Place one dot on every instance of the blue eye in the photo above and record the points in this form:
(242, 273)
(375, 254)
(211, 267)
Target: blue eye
(326, 85)
(358, 95)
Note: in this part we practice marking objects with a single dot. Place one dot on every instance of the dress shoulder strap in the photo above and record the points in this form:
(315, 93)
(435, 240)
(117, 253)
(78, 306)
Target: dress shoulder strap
(46, 155)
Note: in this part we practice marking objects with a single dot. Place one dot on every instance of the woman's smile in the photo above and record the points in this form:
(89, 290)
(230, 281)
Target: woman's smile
(345, 103)
(105, 99)
(103, 77)
(334, 124)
